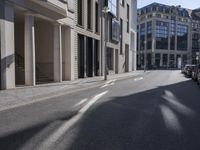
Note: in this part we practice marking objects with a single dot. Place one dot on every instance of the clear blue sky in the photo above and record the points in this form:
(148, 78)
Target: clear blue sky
(191, 4)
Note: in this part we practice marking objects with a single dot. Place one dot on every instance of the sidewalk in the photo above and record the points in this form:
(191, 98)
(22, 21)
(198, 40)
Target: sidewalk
(27, 95)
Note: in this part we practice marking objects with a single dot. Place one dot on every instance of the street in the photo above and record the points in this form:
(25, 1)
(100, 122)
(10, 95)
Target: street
(158, 110)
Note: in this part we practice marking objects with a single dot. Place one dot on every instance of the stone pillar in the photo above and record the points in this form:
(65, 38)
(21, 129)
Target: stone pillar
(29, 50)
(7, 48)
(68, 43)
(93, 57)
(57, 53)
(85, 56)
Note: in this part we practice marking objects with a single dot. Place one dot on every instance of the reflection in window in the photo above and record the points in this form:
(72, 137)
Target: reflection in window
(149, 35)
(112, 4)
(172, 33)
(142, 36)
(162, 33)
(182, 37)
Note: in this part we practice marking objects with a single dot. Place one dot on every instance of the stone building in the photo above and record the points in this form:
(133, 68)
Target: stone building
(165, 36)
(46, 41)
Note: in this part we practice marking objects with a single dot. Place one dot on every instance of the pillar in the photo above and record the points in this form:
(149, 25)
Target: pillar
(7, 49)
(85, 56)
(57, 54)
(68, 43)
(29, 50)
(93, 57)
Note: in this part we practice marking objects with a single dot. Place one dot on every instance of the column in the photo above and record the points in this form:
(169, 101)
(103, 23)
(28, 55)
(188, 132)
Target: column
(93, 57)
(29, 50)
(7, 49)
(57, 53)
(85, 56)
(68, 43)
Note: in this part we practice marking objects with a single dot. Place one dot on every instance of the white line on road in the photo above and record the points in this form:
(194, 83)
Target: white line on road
(109, 83)
(81, 102)
(48, 143)
(138, 79)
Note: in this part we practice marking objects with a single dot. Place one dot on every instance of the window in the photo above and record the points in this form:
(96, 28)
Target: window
(195, 42)
(80, 14)
(172, 61)
(162, 32)
(172, 33)
(157, 60)
(89, 14)
(142, 36)
(149, 16)
(154, 8)
(165, 60)
(112, 4)
(158, 15)
(123, 3)
(148, 9)
(115, 30)
(128, 18)
(97, 17)
(149, 35)
(182, 37)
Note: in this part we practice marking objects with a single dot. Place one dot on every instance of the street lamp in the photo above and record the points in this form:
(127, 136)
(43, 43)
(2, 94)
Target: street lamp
(105, 11)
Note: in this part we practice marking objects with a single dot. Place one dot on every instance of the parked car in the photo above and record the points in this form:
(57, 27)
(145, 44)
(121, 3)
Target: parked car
(183, 68)
(188, 70)
(195, 72)
(198, 75)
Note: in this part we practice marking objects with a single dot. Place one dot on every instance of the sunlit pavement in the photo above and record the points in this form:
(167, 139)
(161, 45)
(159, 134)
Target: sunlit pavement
(159, 110)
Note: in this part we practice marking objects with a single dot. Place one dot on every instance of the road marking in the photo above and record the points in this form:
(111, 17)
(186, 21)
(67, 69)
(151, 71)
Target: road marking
(109, 83)
(48, 143)
(138, 79)
(81, 102)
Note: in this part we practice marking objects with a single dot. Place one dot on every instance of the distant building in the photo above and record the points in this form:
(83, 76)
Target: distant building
(165, 36)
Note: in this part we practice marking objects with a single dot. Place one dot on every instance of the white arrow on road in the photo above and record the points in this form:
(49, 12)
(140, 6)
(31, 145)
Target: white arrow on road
(138, 79)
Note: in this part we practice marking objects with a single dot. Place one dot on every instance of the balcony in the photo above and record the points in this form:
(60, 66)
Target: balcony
(58, 6)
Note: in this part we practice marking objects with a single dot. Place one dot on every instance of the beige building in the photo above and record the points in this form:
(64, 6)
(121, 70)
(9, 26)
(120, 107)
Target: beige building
(45, 41)
(168, 36)
(90, 37)
(33, 50)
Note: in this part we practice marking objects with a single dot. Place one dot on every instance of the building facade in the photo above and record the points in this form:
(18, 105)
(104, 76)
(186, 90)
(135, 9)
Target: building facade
(90, 37)
(54, 41)
(164, 36)
(195, 38)
(33, 50)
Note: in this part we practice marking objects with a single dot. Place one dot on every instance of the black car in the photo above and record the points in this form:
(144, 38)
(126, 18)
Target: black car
(188, 70)
(195, 72)
(184, 67)
(198, 75)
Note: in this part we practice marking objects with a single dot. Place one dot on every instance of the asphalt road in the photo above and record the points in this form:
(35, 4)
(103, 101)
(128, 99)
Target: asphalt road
(159, 110)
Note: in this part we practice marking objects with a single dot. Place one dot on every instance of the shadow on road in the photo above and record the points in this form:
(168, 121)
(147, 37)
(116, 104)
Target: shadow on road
(165, 118)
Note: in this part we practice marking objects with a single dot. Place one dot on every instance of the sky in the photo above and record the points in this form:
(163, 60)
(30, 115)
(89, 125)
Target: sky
(191, 4)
